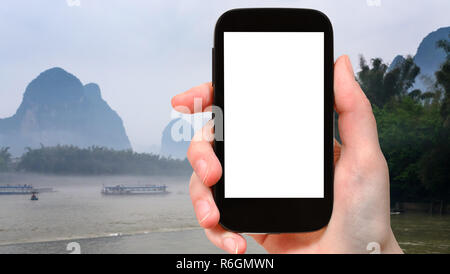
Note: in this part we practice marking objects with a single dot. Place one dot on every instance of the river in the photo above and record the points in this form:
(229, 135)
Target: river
(77, 211)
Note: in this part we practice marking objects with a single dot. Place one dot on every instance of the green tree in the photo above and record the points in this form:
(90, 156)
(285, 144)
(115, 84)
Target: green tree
(407, 130)
(409, 126)
(434, 166)
(382, 85)
(434, 170)
(443, 81)
(99, 160)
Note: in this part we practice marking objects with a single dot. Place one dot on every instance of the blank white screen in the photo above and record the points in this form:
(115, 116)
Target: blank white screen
(273, 98)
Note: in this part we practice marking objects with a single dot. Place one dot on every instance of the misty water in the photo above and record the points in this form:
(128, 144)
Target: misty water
(77, 211)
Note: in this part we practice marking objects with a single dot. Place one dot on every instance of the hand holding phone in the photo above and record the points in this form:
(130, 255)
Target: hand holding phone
(361, 182)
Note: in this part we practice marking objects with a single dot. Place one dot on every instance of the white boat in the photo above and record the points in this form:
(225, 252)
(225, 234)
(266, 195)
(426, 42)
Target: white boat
(16, 189)
(134, 190)
(22, 189)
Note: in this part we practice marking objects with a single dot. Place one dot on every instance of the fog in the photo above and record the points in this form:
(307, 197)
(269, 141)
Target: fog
(141, 53)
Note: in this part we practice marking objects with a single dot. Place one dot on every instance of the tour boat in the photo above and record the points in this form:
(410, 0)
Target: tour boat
(132, 190)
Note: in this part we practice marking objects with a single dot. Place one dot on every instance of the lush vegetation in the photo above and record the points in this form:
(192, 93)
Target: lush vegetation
(413, 127)
(98, 160)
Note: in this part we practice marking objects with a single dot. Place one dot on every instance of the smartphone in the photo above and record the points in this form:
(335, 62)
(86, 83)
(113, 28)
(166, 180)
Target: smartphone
(273, 81)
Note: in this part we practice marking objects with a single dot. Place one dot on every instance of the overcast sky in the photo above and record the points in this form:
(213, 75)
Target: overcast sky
(141, 53)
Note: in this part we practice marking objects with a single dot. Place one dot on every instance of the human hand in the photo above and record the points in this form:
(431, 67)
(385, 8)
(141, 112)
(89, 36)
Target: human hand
(361, 209)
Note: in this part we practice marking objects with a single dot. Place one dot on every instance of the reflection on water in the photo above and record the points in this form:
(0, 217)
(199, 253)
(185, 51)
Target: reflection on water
(78, 210)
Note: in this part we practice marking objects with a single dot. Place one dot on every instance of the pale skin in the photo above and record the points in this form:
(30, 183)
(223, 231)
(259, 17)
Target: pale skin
(361, 209)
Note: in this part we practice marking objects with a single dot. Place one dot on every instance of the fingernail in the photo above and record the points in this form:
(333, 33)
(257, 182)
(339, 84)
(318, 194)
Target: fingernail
(348, 64)
(230, 245)
(201, 169)
(202, 209)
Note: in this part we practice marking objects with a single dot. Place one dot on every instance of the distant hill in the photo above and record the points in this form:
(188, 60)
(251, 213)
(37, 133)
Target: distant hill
(398, 60)
(428, 57)
(172, 141)
(58, 109)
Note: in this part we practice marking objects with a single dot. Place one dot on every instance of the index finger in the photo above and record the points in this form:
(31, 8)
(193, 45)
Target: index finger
(196, 99)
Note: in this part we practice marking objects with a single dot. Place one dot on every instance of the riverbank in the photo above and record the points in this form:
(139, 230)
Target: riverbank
(436, 207)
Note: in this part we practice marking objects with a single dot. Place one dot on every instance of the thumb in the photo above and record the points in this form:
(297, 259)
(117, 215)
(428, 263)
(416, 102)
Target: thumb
(357, 125)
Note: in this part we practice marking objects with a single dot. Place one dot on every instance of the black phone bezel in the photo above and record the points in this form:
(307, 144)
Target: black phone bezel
(276, 215)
